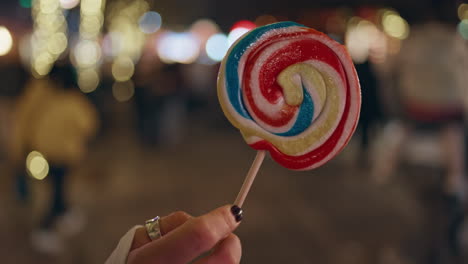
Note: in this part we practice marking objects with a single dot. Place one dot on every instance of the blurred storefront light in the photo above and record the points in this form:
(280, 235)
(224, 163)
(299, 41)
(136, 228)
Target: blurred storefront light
(463, 11)
(217, 47)
(463, 28)
(123, 91)
(150, 22)
(394, 25)
(6, 41)
(37, 166)
(177, 47)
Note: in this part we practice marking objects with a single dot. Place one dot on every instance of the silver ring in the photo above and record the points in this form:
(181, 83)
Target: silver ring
(152, 228)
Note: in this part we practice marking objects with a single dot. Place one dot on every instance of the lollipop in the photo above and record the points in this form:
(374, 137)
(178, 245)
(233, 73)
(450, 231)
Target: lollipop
(291, 91)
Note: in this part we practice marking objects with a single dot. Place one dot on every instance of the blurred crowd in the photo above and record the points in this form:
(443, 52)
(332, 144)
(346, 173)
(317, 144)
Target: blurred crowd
(58, 96)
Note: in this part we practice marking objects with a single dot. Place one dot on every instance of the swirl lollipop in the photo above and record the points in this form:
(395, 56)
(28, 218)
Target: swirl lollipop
(291, 91)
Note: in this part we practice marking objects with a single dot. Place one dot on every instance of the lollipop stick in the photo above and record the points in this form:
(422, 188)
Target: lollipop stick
(250, 178)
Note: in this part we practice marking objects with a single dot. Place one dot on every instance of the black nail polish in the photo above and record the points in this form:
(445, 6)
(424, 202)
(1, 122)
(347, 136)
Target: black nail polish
(237, 212)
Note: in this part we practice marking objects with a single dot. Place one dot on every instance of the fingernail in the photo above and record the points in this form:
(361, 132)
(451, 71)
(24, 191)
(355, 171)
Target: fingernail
(237, 212)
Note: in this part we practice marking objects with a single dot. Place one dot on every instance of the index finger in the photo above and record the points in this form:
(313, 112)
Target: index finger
(191, 239)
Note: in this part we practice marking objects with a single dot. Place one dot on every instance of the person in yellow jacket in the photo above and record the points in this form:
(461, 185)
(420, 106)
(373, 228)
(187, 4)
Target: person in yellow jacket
(55, 121)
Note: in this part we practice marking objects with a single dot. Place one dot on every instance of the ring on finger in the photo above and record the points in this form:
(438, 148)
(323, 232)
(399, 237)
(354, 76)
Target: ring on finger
(153, 228)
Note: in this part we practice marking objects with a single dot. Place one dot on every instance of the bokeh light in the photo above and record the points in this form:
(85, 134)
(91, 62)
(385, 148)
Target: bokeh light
(6, 41)
(150, 22)
(463, 11)
(69, 4)
(244, 24)
(87, 53)
(178, 47)
(58, 43)
(126, 38)
(49, 38)
(123, 69)
(394, 25)
(88, 80)
(239, 29)
(463, 28)
(123, 91)
(360, 37)
(37, 166)
(26, 3)
(42, 64)
(91, 7)
(217, 46)
(203, 29)
(235, 34)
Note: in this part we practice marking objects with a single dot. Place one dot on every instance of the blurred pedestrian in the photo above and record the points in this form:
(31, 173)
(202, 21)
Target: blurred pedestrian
(55, 119)
(430, 74)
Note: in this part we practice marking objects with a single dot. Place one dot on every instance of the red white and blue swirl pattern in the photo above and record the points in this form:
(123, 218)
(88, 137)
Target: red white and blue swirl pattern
(293, 91)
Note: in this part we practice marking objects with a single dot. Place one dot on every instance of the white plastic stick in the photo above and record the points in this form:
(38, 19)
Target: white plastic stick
(249, 179)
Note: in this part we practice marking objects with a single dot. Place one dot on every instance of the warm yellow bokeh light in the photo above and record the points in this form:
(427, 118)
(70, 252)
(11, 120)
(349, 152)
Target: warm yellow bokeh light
(37, 165)
(87, 53)
(123, 69)
(57, 43)
(88, 80)
(123, 91)
(42, 64)
(48, 6)
(6, 41)
(463, 11)
(91, 6)
(394, 25)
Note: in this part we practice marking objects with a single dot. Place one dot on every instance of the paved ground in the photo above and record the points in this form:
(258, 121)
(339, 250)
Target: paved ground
(331, 215)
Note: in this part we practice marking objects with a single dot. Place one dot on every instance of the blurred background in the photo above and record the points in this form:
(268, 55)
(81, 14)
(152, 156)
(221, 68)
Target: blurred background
(109, 116)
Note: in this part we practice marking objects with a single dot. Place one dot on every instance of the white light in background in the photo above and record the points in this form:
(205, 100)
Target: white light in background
(150, 22)
(37, 165)
(360, 38)
(178, 47)
(87, 53)
(6, 41)
(69, 4)
(235, 34)
(217, 47)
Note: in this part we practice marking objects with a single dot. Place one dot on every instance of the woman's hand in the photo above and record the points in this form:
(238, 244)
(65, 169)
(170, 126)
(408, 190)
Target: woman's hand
(184, 238)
